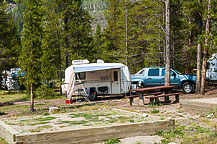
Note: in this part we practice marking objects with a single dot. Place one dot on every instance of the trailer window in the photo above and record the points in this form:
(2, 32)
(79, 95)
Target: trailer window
(115, 73)
(81, 76)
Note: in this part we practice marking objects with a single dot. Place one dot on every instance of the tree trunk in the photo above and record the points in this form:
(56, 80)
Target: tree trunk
(66, 39)
(32, 97)
(60, 62)
(198, 82)
(203, 76)
(167, 63)
(126, 22)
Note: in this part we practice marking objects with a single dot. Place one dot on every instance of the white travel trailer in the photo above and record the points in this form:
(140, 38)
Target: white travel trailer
(92, 79)
(211, 73)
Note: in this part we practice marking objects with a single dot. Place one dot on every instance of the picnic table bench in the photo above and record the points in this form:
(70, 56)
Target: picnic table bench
(159, 91)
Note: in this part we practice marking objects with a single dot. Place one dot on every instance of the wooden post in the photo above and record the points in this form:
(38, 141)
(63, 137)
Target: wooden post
(141, 99)
(167, 99)
(177, 98)
(131, 100)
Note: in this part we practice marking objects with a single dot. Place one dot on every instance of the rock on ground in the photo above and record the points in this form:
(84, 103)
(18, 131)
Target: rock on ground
(141, 140)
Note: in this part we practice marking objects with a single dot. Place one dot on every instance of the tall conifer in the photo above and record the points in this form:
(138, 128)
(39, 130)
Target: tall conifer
(29, 59)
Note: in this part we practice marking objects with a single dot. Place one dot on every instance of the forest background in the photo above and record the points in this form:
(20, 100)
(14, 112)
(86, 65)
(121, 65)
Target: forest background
(42, 37)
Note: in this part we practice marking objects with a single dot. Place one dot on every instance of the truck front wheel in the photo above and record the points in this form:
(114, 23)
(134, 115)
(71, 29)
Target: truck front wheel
(188, 87)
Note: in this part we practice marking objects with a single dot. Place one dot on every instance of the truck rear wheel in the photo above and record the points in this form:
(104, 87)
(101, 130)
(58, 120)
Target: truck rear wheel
(188, 87)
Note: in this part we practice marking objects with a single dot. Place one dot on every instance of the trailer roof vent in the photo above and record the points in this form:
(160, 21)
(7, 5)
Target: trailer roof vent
(100, 61)
(78, 62)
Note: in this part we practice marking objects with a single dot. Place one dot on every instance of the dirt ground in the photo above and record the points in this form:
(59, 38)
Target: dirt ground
(166, 111)
(42, 106)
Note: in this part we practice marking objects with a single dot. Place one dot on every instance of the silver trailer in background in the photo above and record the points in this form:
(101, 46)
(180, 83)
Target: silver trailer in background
(10, 79)
(211, 73)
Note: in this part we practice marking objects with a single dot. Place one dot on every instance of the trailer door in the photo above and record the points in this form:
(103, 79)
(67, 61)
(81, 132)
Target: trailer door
(115, 89)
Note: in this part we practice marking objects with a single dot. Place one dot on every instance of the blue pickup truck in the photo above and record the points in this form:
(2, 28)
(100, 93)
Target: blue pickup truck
(155, 76)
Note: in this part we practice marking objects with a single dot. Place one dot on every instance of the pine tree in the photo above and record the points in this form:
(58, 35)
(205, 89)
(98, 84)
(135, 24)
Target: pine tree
(29, 59)
(79, 32)
(9, 39)
(52, 47)
(97, 42)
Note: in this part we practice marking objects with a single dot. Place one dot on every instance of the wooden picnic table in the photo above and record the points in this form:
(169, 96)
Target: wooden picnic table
(144, 92)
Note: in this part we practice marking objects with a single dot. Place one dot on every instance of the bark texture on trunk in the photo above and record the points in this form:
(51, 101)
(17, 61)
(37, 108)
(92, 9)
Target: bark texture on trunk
(206, 47)
(199, 49)
(198, 82)
(32, 97)
(167, 62)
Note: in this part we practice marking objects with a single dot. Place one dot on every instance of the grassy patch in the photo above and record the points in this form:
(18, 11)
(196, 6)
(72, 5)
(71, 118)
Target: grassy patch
(38, 129)
(104, 117)
(45, 119)
(32, 122)
(154, 111)
(189, 134)
(8, 96)
(199, 129)
(46, 113)
(2, 141)
(112, 141)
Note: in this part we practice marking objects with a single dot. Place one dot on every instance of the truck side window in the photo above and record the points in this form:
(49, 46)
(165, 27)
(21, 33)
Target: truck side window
(163, 72)
(141, 72)
(153, 72)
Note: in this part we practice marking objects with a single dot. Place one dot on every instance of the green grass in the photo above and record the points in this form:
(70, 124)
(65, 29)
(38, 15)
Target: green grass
(112, 141)
(32, 122)
(189, 135)
(2, 141)
(45, 119)
(155, 111)
(9, 96)
(103, 117)
(39, 128)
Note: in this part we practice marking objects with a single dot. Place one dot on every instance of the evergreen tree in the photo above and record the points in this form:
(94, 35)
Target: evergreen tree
(112, 31)
(97, 42)
(77, 30)
(9, 40)
(29, 59)
(134, 32)
(52, 47)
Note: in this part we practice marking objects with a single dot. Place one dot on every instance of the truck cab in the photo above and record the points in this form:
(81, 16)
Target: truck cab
(155, 76)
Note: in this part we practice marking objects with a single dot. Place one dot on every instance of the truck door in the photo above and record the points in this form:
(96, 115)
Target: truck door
(115, 89)
(174, 78)
(153, 77)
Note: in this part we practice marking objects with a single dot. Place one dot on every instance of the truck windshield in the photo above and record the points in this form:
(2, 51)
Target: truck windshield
(177, 72)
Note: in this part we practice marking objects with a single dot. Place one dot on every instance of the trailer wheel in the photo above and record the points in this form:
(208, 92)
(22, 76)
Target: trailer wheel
(93, 96)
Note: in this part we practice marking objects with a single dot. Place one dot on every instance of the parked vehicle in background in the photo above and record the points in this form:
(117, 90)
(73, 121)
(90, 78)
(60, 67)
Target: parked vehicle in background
(11, 79)
(155, 76)
(92, 79)
(211, 73)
